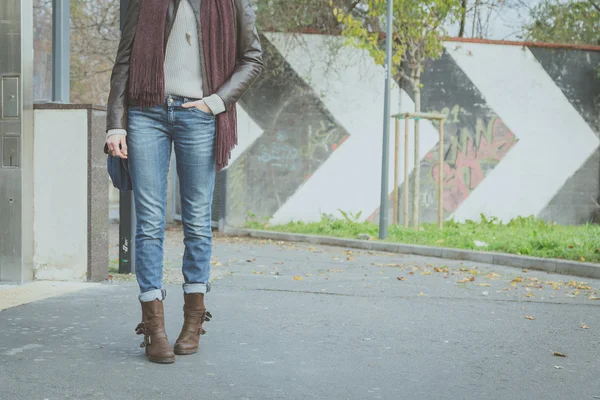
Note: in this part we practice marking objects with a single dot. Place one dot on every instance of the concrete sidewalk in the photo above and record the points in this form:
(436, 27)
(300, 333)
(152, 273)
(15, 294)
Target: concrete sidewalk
(311, 322)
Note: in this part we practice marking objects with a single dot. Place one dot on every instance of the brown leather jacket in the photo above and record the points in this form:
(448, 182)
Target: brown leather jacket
(249, 54)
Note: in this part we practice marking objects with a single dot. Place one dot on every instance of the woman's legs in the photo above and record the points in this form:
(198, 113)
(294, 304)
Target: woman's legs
(149, 146)
(194, 138)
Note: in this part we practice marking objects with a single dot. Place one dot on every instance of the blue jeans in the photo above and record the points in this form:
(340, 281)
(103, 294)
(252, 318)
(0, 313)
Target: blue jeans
(152, 133)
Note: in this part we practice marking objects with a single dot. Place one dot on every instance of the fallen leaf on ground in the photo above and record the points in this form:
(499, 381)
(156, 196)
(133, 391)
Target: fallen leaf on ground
(307, 274)
(350, 258)
(297, 278)
(464, 269)
(555, 285)
(579, 285)
(335, 270)
(401, 278)
(525, 271)
(584, 326)
(473, 272)
(411, 273)
(311, 249)
(518, 279)
(484, 284)
(415, 268)
(442, 269)
(530, 317)
(471, 279)
(421, 294)
(349, 252)
(493, 275)
(258, 272)
(557, 354)
(594, 298)
(530, 294)
(336, 259)
(252, 259)
(426, 273)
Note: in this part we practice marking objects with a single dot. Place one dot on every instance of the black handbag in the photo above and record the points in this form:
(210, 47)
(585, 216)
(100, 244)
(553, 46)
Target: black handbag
(118, 170)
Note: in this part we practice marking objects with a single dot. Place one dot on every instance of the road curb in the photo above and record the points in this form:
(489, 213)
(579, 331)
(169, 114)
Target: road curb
(551, 265)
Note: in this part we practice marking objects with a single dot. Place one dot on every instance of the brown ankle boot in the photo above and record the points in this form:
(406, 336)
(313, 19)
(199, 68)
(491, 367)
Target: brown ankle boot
(194, 314)
(157, 345)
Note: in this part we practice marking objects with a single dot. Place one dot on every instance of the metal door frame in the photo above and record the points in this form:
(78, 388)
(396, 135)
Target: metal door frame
(16, 161)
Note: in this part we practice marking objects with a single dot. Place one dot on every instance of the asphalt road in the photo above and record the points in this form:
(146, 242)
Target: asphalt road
(302, 322)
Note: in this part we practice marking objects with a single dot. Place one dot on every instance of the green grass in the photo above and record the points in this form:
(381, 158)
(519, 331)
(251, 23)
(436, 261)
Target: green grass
(524, 236)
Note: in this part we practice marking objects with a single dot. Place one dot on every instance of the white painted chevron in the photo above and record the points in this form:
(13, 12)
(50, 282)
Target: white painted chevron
(554, 140)
(248, 132)
(351, 88)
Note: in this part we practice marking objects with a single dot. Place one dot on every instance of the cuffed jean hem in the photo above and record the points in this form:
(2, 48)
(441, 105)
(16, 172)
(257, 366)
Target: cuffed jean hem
(203, 288)
(156, 294)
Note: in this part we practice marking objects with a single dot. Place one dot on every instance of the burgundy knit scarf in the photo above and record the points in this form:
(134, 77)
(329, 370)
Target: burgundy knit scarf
(146, 70)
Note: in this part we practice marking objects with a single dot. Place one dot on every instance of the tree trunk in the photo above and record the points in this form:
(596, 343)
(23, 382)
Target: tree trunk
(463, 18)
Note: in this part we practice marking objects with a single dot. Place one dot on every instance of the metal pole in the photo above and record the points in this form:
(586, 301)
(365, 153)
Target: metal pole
(126, 216)
(396, 156)
(383, 209)
(406, 183)
(61, 44)
(441, 178)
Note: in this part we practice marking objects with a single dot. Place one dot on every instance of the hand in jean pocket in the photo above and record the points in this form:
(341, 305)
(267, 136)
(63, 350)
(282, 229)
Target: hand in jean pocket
(199, 104)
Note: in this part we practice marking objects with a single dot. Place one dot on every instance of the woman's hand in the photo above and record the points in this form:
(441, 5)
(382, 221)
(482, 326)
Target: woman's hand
(117, 145)
(199, 104)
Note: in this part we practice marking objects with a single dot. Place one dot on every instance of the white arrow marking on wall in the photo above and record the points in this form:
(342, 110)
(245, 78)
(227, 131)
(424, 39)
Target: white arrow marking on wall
(351, 87)
(554, 140)
(248, 132)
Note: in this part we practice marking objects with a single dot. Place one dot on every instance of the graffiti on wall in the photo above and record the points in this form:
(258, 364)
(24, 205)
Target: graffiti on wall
(299, 135)
(475, 139)
(474, 150)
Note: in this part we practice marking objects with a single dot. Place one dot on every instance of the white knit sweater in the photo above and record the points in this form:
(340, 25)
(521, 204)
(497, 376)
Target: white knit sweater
(183, 72)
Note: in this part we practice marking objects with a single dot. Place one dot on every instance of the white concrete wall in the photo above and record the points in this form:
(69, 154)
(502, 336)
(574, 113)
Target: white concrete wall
(553, 139)
(60, 194)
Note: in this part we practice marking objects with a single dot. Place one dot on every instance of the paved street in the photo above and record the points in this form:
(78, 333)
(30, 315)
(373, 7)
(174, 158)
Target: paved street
(308, 322)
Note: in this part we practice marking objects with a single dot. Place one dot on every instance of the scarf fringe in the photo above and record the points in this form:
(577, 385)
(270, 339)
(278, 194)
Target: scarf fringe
(226, 139)
(147, 87)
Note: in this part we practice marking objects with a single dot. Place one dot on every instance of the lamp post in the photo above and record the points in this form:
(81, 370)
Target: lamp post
(383, 209)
